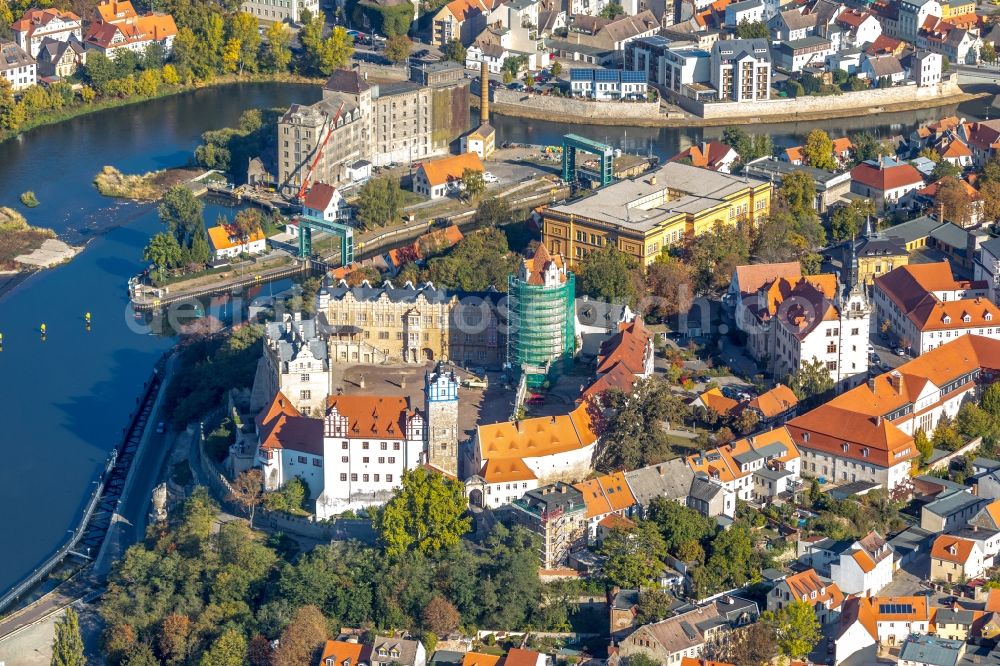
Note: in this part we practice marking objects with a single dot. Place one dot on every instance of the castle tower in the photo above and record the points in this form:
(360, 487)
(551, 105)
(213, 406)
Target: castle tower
(441, 394)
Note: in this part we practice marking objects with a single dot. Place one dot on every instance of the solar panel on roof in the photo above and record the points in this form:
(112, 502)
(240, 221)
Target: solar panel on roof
(633, 77)
(895, 609)
(581, 74)
(606, 75)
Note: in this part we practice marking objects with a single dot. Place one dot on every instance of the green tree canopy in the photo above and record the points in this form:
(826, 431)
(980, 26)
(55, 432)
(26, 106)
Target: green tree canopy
(480, 260)
(427, 514)
(380, 202)
(818, 150)
(610, 275)
(634, 556)
(67, 646)
(796, 627)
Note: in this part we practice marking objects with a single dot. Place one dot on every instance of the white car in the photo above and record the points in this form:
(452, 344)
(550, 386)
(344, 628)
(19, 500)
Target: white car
(490, 178)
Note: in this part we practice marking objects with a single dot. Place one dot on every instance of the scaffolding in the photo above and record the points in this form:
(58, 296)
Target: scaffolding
(542, 334)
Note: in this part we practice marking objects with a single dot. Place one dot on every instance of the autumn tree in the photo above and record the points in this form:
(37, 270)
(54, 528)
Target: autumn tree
(248, 491)
(398, 48)
(848, 221)
(670, 284)
(473, 183)
(277, 52)
(610, 275)
(713, 256)
(811, 381)
(989, 194)
(818, 150)
(246, 224)
(302, 638)
(229, 649)
(953, 200)
(440, 616)
(796, 628)
(427, 514)
(924, 446)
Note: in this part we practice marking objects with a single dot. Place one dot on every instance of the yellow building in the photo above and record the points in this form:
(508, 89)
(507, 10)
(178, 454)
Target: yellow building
(950, 10)
(642, 216)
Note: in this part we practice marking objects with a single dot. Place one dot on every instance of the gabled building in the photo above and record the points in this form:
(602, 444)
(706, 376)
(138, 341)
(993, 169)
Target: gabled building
(824, 596)
(227, 243)
(325, 202)
(882, 70)
(686, 634)
(61, 58)
(711, 155)
(758, 468)
(606, 495)
(956, 560)
(774, 406)
(926, 307)
(38, 25)
(459, 19)
(861, 28)
(865, 567)
(441, 177)
(885, 181)
(951, 510)
(118, 27)
(869, 623)
(295, 363)
(959, 45)
(983, 137)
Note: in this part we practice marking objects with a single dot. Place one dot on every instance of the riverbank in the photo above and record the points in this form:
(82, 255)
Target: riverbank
(86, 108)
(146, 187)
(592, 113)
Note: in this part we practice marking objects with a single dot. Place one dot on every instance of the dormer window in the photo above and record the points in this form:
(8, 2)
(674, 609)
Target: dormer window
(988, 316)
(382, 652)
(966, 318)
(864, 452)
(805, 437)
(844, 447)
(805, 597)
(394, 654)
(947, 319)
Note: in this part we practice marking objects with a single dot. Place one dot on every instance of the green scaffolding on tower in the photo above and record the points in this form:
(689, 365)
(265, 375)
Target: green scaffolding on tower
(542, 338)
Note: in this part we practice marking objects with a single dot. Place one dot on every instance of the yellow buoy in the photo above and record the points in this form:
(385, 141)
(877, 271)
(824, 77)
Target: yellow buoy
(42, 329)
(87, 317)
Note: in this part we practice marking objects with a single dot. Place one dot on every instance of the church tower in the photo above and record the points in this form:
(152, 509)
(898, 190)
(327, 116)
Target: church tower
(441, 392)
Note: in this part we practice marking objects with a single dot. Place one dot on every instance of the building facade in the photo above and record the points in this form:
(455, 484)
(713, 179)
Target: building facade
(279, 11)
(37, 25)
(19, 68)
(741, 69)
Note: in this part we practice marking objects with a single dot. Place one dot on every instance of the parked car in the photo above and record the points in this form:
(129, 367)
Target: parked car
(490, 178)
(161, 428)
(900, 351)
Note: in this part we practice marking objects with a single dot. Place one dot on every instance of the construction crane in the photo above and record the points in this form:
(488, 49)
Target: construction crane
(309, 223)
(332, 124)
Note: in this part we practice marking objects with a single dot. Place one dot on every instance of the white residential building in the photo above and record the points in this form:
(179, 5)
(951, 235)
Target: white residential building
(38, 24)
(865, 567)
(227, 244)
(793, 56)
(325, 202)
(19, 68)
(296, 364)
(860, 28)
(494, 55)
(748, 11)
(987, 267)
(279, 11)
(119, 28)
(926, 307)
(879, 621)
(925, 68)
(607, 85)
(741, 69)
(912, 14)
(747, 466)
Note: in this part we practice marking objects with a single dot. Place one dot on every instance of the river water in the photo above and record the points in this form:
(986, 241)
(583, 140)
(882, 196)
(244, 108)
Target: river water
(65, 400)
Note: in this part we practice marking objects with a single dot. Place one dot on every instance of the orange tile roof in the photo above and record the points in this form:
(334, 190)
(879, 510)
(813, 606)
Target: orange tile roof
(864, 561)
(754, 276)
(342, 653)
(803, 585)
(223, 238)
(696, 661)
(115, 10)
(720, 463)
(993, 510)
(379, 416)
(521, 657)
(462, 9)
(842, 145)
(33, 18)
(616, 521)
(952, 549)
(887, 178)
(993, 601)
(447, 169)
(932, 189)
(714, 400)
(911, 288)
(606, 494)
(618, 377)
(539, 263)
(480, 659)
(776, 401)
(709, 155)
(627, 346)
(831, 428)
(505, 470)
(795, 155)
(536, 437)
(281, 426)
(954, 149)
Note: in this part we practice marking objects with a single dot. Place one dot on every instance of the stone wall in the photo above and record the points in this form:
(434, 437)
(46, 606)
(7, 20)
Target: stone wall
(542, 107)
(867, 100)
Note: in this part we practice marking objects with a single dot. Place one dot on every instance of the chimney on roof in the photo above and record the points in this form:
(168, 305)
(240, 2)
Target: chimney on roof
(871, 384)
(896, 380)
(652, 179)
(562, 489)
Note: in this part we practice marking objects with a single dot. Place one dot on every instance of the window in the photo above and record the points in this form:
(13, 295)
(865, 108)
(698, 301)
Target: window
(388, 478)
(305, 395)
(395, 446)
(831, 365)
(345, 459)
(303, 460)
(317, 462)
(343, 477)
(364, 477)
(303, 378)
(381, 461)
(354, 477)
(364, 460)
(364, 445)
(392, 460)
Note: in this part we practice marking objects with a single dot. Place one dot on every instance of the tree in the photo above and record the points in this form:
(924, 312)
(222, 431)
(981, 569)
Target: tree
(480, 260)
(440, 617)
(427, 514)
(302, 638)
(713, 256)
(752, 645)
(556, 69)
(248, 491)
(954, 200)
(612, 10)
(756, 30)
(229, 649)
(454, 50)
(946, 437)
(148, 83)
(818, 150)
(277, 53)
(67, 646)
(991, 400)
(633, 436)
(945, 169)
(811, 381)
(398, 48)
(163, 252)
(140, 654)
(173, 640)
(493, 212)
(325, 55)
(507, 77)
(654, 605)
(246, 224)
(609, 275)
(988, 53)
(989, 193)
(379, 202)
(634, 556)
(244, 30)
(847, 221)
(796, 627)
(181, 211)
(867, 147)
(473, 183)
(680, 525)
(924, 446)
(670, 282)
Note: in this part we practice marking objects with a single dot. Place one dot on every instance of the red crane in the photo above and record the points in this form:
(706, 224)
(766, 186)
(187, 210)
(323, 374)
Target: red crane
(319, 152)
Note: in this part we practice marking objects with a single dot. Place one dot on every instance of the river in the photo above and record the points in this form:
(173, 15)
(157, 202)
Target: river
(65, 400)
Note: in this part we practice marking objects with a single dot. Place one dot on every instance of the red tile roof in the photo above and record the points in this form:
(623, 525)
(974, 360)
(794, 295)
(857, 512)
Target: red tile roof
(952, 549)
(382, 417)
(628, 346)
(885, 178)
(319, 196)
